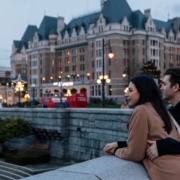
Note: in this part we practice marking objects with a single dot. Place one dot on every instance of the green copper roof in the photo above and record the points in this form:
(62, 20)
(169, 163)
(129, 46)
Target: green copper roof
(82, 21)
(16, 43)
(115, 10)
(47, 25)
(138, 20)
(29, 33)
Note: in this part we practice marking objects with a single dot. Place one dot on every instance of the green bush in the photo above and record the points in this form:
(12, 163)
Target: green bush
(14, 128)
(94, 100)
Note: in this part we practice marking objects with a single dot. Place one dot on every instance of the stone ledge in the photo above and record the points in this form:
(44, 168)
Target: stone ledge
(103, 168)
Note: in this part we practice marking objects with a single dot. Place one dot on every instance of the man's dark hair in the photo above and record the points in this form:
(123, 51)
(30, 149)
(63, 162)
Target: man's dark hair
(174, 75)
(149, 92)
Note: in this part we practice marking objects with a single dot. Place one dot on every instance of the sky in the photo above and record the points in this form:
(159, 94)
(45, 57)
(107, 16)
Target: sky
(15, 15)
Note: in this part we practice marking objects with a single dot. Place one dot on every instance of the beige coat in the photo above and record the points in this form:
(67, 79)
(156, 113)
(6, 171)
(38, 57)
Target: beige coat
(145, 124)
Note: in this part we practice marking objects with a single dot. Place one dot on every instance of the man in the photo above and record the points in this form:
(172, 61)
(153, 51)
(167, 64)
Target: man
(171, 92)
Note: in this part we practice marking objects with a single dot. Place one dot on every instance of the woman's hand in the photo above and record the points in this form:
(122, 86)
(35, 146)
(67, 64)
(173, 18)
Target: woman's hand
(125, 105)
(109, 148)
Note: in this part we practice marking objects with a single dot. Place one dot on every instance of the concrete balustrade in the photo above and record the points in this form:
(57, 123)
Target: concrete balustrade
(84, 134)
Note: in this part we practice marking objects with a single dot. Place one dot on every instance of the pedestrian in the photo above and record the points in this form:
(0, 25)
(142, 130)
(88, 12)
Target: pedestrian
(149, 121)
(171, 92)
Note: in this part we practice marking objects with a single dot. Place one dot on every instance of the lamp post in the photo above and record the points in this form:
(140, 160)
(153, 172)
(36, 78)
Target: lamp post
(60, 91)
(27, 96)
(68, 77)
(33, 94)
(102, 79)
(19, 87)
(88, 76)
(43, 79)
(77, 76)
(51, 79)
(126, 75)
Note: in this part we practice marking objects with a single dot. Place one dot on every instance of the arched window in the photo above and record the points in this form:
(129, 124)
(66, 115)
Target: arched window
(83, 90)
(48, 91)
(73, 91)
(56, 90)
(64, 91)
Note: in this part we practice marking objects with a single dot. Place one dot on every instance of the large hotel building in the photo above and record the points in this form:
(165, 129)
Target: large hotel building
(73, 52)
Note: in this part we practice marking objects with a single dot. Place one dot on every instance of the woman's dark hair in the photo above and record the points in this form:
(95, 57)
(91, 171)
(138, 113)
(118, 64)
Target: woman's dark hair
(149, 92)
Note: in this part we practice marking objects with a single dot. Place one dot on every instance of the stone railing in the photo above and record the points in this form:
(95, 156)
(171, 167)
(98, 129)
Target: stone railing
(84, 133)
(103, 168)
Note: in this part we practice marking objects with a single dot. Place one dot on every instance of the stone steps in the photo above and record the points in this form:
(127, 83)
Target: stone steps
(13, 172)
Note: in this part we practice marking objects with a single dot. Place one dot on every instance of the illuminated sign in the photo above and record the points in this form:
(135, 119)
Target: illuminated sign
(63, 83)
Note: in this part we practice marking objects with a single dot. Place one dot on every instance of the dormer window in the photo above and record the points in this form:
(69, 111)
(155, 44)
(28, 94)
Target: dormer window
(178, 40)
(126, 28)
(171, 38)
(150, 26)
(100, 28)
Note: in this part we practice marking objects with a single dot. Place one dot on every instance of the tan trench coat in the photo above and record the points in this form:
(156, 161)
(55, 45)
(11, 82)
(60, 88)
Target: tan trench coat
(145, 124)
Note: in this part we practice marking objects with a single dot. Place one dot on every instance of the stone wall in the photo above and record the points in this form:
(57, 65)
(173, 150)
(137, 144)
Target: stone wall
(102, 168)
(84, 131)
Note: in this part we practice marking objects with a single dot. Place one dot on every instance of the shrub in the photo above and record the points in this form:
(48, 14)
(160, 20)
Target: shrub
(14, 128)
(94, 100)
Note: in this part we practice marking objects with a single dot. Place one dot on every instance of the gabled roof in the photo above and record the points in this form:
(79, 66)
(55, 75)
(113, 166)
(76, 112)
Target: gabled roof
(20, 78)
(115, 10)
(138, 20)
(47, 25)
(84, 20)
(162, 24)
(29, 32)
(19, 45)
(16, 43)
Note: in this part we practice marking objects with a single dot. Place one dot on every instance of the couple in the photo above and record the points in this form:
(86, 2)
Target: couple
(153, 137)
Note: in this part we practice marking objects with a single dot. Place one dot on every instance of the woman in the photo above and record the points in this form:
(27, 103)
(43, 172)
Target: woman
(149, 121)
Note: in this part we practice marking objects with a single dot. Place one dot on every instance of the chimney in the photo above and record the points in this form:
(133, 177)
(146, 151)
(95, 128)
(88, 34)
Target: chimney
(147, 12)
(102, 4)
(60, 24)
(176, 24)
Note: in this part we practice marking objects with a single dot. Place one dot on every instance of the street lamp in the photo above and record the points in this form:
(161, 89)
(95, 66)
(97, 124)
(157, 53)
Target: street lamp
(51, 79)
(126, 90)
(103, 77)
(43, 79)
(68, 77)
(19, 87)
(27, 96)
(78, 77)
(33, 94)
(60, 90)
(125, 75)
(88, 76)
